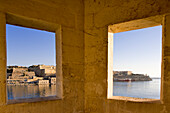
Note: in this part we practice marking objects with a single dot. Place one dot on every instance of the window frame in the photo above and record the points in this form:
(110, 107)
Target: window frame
(46, 26)
(128, 26)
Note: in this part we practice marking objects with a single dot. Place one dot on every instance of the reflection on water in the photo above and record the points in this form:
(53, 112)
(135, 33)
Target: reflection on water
(138, 89)
(30, 91)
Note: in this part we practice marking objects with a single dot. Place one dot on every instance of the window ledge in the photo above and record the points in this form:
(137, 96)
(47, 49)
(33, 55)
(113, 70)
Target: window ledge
(49, 98)
(131, 99)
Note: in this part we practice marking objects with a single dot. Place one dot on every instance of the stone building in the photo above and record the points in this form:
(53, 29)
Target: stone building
(82, 52)
(30, 74)
(53, 80)
(43, 70)
(122, 72)
(19, 73)
(43, 82)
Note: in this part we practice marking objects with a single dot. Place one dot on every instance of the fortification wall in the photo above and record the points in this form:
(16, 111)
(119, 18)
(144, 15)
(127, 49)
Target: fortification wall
(84, 26)
(99, 14)
(70, 15)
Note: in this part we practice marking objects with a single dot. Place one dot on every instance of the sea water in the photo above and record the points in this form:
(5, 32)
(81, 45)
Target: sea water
(138, 89)
(30, 91)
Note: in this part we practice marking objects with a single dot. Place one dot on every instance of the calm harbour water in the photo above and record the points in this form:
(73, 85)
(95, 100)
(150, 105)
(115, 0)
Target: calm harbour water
(138, 89)
(30, 91)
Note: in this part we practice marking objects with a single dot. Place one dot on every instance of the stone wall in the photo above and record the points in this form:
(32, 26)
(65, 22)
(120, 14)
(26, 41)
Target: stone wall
(48, 69)
(17, 75)
(84, 52)
(20, 69)
(43, 70)
(30, 74)
(98, 15)
(70, 15)
(38, 72)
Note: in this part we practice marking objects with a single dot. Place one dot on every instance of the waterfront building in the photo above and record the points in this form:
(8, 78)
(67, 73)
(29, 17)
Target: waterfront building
(16, 81)
(19, 73)
(43, 70)
(43, 82)
(129, 76)
(122, 72)
(38, 78)
(53, 80)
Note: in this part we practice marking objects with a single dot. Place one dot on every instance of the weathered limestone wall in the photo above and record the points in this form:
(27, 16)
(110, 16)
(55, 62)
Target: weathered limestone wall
(84, 48)
(98, 15)
(48, 69)
(69, 14)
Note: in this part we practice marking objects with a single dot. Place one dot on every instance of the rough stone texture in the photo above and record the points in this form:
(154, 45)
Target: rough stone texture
(99, 14)
(84, 26)
(68, 14)
(2, 59)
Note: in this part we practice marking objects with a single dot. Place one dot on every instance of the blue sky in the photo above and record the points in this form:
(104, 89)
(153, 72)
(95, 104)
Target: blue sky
(139, 51)
(27, 46)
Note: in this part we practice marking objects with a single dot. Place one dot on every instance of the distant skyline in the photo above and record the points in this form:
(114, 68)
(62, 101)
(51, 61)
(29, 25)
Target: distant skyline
(138, 51)
(26, 46)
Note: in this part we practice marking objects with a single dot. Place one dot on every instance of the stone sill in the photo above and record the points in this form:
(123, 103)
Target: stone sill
(49, 98)
(131, 99)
